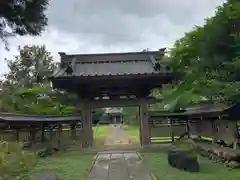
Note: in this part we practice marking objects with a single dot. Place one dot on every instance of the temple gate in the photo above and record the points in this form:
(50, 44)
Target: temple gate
(112, 80)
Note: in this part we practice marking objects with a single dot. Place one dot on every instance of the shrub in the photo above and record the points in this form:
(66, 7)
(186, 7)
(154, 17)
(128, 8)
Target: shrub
(47, 152)
(14, 161)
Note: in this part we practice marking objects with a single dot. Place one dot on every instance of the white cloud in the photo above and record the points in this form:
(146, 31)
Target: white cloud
(89, 26)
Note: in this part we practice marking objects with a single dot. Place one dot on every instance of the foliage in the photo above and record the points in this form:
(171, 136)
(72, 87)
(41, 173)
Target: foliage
(97, 114)
(22, 17)
(38, 101)
(206, 61)
(31, 66)
(130, 115)
(47, 152)
(26, 89)
(14, 161)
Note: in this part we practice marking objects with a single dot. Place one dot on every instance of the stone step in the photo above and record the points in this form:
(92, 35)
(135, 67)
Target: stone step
(118, 165)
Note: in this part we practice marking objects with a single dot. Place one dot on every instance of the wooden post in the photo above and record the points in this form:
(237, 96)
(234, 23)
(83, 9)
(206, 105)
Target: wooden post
(87, 127)
(214, 141)
(50, 133)
(32, 135)
(171, 130)
(187, 128)
(150, 131)
(236, 138)
(59, 135)
(140, 125)
(144, 127)
(17, 135)
(73, 130)
(43, 133)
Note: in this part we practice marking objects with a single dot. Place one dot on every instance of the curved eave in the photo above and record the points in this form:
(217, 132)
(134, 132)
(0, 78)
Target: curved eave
(118, 76)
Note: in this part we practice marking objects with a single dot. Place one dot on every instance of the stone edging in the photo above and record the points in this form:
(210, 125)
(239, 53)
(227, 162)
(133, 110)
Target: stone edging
(151, 174)
(90, 166)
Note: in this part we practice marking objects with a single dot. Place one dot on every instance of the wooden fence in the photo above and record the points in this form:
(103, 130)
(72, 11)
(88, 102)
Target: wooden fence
(165, 131)
(65, 138)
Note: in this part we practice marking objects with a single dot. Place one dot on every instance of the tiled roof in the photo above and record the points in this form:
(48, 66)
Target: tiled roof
(129, 56)
(29, 118)
(196, 110)
(110, 64)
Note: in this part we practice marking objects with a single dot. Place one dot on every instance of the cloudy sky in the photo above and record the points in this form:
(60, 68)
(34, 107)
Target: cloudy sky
(90, 26)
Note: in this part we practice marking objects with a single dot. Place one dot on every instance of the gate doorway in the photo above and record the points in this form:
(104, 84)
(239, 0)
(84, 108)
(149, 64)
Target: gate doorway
(122, 132)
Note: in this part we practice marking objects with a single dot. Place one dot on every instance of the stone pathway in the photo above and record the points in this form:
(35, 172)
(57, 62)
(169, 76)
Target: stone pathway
(118, 165)
(116, 136)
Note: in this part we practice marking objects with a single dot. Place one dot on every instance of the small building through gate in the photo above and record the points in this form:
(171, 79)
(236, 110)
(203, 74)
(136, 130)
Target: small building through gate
(112, 80)
(114, 115)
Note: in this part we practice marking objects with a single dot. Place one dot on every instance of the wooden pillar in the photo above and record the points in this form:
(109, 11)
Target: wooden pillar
(59, 134)
(50, 133)
(144, 126)
(171, 130)
(32, 135)
(140, 125)
(17, 134)
(214, 140)
(43, 133)
(87, 127)
(187, 128)
(236, 138)
(150, 126)
(73, 130)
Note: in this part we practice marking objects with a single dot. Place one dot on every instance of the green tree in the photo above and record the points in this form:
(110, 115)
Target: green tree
(26, 88)
(206, 61)
(32, 65)
(41, 100)
(131, 115)
(22, 17)
(97, 115)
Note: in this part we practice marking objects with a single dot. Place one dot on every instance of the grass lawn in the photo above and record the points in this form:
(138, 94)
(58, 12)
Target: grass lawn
(99, 134)
(158, 164)
(67, 165)
(132, 132)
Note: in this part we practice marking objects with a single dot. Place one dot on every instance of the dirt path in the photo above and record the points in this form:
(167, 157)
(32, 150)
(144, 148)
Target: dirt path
(116, 136)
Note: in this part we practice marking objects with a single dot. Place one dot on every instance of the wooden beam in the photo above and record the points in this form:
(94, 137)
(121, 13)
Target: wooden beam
(118, 103)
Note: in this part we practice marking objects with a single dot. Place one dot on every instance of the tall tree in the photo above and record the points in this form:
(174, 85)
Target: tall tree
(31, 66)
(207, 61)
(22, 17)
(26, 89)
(41, 100)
